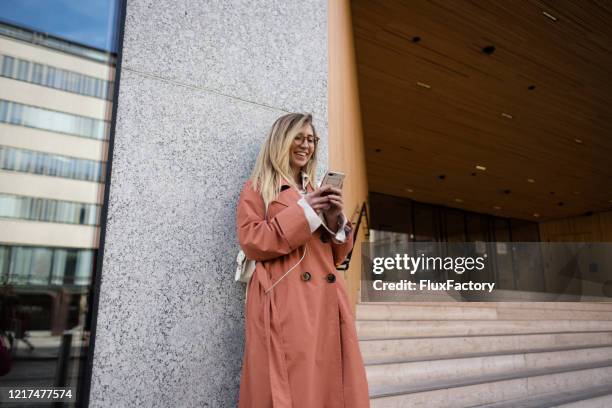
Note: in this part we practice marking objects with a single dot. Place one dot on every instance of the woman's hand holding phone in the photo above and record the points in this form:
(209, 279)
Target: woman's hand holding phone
(336, 205)
(327, 199)
(318, 199)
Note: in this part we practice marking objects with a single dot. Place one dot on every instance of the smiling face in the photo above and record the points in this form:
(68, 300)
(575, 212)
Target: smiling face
(302, 148)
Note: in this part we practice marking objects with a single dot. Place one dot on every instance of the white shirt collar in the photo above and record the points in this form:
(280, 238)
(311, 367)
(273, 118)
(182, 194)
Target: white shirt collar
(305, 180)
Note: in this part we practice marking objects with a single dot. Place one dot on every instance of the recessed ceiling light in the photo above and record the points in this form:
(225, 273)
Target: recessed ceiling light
(489, 49)
(506, 115)
(416, 39)
(459, 200)
(547, 14)
(530, 180)
(479, 167)
(536, 215)
(531, 87)
(578, 141)
(409, 190)
(423, 85)
(497, 207)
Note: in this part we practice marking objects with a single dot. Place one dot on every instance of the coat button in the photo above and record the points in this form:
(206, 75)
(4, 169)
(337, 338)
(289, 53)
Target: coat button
(324, 238)
(306, 276)
(331, 278)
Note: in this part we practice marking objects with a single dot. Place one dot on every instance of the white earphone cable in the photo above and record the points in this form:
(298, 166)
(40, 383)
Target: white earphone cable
(290, 269)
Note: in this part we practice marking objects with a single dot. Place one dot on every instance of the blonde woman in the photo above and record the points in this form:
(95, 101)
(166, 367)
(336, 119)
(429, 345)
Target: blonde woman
(301, 348)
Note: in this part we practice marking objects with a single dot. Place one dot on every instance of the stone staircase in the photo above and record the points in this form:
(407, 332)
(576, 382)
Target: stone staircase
(485, 354)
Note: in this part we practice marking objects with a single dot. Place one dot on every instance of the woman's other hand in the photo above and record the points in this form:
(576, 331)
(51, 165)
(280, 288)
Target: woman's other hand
(336, 205)
(318, 199)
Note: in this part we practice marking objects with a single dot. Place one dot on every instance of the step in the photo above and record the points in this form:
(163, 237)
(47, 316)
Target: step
(452, 312)
(589, 397)
(381, 329)
(404, 350)
(597, 306)
(472, 391)
(415, 311)
(417, 373)
(605, 401)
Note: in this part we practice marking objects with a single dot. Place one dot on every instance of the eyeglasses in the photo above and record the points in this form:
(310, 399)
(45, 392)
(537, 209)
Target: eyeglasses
(312, 140)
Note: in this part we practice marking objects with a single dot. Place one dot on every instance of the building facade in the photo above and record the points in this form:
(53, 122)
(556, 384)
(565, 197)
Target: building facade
(55, 111)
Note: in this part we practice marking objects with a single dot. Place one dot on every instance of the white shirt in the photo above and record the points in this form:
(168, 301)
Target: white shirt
(314, 220)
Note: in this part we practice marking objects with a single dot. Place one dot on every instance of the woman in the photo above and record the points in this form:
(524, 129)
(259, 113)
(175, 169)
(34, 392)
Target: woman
(301, 347)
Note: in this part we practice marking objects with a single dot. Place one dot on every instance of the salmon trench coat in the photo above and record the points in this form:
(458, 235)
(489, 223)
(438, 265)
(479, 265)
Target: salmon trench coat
(301, 348)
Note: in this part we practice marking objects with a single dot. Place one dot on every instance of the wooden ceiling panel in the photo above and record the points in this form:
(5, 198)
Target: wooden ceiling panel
(440, 105)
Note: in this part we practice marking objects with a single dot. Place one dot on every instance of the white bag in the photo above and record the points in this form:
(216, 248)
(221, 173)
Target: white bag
(244, 268)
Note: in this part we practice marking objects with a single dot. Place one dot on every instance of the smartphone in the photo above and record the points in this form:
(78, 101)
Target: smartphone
(333, 178)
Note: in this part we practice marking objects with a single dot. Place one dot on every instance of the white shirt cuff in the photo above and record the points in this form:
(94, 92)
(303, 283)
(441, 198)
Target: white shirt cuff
(313, 219)
(340, 237)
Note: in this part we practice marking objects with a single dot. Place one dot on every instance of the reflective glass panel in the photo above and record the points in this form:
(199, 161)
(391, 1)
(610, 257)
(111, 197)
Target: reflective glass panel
(58, 62)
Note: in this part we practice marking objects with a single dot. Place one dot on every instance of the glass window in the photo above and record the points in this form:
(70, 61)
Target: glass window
(84, 267)
(104, 90)
(23, 70)
(11, 159)
(21, 265)
(59, 266)
(53, 77)
(56, 121)
(78, 83)
(425, 225)
(47, 210)
(16, 113)
(70, 266)
(390, 213)
(70, 81)
(454, 225)
(8, 206)
(4, 111)
(109, 89)
(50, 81)
(4, 263)
(98, 88)
(38, 169)
(48, 164)
(59, 79)
(89, 86)
(7, 66)
(41, 266)
(24, 160)
(37, 74)
(477, 227)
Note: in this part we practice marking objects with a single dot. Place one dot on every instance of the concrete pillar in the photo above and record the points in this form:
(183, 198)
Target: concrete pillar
(201, 84)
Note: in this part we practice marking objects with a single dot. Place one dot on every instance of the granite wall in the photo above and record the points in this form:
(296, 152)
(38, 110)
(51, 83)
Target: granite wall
(201, 84)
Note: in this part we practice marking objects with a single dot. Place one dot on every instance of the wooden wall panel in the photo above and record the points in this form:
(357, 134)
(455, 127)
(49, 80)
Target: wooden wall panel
(588, 228)
(346, 146)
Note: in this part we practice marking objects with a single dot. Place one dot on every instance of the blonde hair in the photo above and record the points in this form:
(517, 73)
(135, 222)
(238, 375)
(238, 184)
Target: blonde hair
(273, 161)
